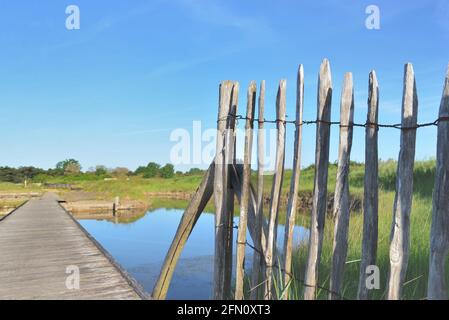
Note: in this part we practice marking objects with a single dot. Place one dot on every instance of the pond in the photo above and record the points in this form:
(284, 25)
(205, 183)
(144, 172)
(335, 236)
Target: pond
(140, 245)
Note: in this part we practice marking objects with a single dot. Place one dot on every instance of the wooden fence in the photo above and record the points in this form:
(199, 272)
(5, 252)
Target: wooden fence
(226, 180)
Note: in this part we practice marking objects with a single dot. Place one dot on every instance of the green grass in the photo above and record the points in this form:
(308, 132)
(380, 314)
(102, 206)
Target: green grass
(7, 187)
(418, 262)
(415, 284)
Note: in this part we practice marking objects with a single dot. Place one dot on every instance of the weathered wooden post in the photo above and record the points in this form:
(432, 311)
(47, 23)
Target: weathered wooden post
(230, 147)
(341, 212)
(115, 205)
(276, 188)
(241, 238)
(188, 221)
(370, 197)
(439, 235)
(258, 258)
(319, 204)
(221, 199)
(294, 185)
(400, 233)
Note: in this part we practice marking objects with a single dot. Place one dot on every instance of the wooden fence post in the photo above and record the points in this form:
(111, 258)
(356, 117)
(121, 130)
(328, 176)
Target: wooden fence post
(230, 147)
(400, 233)
(276, 188)
(319, 204)
(294, 185)
(241, 239)
(258, 259)
(370, 197)
(220, 190)
(236, 179)
(439, 236)
(188, 221)
(341, 212)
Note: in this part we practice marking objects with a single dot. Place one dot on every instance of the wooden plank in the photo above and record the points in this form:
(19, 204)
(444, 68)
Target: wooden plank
(258, 259)
(230, 150)
(439, 235)
(40, 240)
(320, 181)
(371, 201)
(341, 211)
(400, 233)
(276, 189)
(236, 179)
(188, 221)
(241, 238)
(220, 190)
(292, 205)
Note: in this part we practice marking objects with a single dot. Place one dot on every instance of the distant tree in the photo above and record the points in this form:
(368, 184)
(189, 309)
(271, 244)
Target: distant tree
(152, 170)
(195, 171)
(120, 172)
(167, 171)
(69, 166)
(8, 174)
(101, 170)
(19, 175)
(29, 172)
(140, 170)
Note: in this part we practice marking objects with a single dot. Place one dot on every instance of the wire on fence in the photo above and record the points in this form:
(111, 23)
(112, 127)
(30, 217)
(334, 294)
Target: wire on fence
(353, 124)
(300, 281)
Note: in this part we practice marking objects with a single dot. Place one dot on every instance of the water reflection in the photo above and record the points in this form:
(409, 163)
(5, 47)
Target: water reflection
(140, 243)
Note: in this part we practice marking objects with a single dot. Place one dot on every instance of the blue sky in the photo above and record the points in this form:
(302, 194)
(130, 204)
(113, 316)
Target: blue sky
(111, 92)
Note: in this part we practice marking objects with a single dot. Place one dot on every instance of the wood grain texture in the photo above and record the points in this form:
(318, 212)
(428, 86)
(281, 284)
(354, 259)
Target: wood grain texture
(258, 259)
(439, 235)
(230, 149)
(292, 205)
(40, 241)
(221, 189)
(244, 204)
(341, 211)
(276, 189)
(400, 233)
(318, 215)
(188, 221)
(236, 180)
(371, 181)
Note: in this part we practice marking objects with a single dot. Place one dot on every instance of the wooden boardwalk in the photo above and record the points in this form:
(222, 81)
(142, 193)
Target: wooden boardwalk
(39, 241)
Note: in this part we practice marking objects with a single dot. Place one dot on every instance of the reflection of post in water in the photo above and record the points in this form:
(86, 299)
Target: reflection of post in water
(115, 206)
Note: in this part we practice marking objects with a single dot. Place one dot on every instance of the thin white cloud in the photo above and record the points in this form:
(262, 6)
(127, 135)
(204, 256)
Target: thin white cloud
(216, 13)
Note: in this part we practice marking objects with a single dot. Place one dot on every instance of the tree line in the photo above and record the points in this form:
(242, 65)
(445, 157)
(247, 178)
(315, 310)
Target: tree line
(72, 168)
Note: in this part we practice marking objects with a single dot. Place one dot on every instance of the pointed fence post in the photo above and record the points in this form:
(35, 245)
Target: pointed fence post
(258, 259)
(241, 238)
(341, 212)
(439, 235)
(319, 204)
(221, 190)
(400, 233)
(292, 205)
(230, 147)
(276, 189)
(370, 197)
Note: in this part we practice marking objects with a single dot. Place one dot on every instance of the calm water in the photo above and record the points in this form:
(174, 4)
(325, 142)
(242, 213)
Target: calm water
(140, 247)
